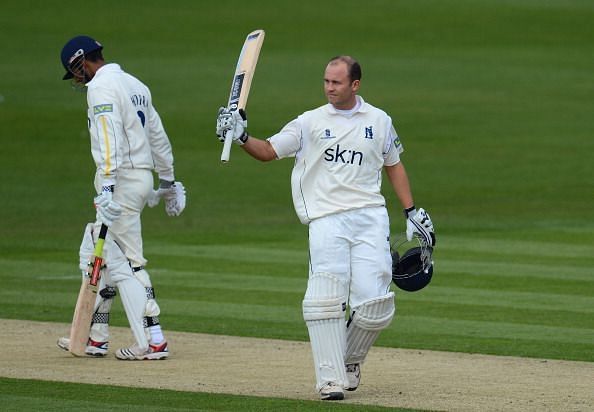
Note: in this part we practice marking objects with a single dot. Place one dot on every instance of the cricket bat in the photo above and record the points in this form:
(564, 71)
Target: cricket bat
(242, 79)
(85, 304)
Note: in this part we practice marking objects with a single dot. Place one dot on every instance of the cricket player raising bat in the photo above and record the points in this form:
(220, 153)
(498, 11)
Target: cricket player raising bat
(340, 150)
(128, 143)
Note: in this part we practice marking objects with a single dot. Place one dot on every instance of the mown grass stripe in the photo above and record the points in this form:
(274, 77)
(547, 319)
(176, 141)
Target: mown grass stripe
(233, 280)
(229, 253)
(513, 269)
(487, 329)
(514, 247)
(520, 300)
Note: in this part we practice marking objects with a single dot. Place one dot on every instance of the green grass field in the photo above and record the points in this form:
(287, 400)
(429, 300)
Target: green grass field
(493, 103)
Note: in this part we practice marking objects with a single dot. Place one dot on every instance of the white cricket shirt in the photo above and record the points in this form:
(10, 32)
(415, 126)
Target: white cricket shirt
(338, 158)
(126, 130)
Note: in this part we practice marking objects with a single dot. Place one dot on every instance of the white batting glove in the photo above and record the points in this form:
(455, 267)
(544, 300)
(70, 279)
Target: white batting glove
(418, 221)
(174, 195)
(234, 122)
(224, 122)
(108, 211)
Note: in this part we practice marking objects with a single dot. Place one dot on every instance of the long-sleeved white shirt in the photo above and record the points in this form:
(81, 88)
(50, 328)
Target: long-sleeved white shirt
(126, 130)
(338, 158)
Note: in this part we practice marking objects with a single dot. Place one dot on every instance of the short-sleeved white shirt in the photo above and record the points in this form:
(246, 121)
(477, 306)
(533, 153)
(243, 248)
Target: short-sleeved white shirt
(338, 158)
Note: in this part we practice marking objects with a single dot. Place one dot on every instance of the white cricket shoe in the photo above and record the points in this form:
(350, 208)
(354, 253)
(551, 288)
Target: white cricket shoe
(154, 352)
(93, 348)
(331, 392)
(353, 373)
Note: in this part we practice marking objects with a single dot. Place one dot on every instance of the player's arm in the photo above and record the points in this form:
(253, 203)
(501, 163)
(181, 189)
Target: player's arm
(259, 149)
(172, 191)
(394, 168)
(417, 221)
(400, 183)
(234, 123)
(159, 141)
(104, 107)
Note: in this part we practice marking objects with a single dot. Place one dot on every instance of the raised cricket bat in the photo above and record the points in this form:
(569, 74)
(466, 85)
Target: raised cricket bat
(85, 305)
(242, 79)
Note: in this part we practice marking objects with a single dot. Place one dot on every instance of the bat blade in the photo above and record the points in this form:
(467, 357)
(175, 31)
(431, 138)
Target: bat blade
(83, 316)
(85, 304)
(242, 79)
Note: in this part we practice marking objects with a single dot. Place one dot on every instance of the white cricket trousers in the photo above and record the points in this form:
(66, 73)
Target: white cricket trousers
(131, 192)
(354, 246)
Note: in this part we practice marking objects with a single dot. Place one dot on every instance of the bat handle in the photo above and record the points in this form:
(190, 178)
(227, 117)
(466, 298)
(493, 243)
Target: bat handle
(226, 148)
(103, 231)
(96, 272)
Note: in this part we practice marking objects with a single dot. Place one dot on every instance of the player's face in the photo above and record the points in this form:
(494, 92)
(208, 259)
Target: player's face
(338, 87)
(80, 71)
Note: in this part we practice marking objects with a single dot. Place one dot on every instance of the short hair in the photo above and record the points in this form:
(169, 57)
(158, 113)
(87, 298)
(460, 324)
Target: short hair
(353, 66)
(94, 56)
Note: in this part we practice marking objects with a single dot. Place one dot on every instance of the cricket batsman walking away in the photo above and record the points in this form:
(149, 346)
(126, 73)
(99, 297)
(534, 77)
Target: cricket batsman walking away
(128, 143)
(340, 150)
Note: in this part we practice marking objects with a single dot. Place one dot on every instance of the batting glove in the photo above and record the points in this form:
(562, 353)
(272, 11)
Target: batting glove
(234, 122)
(224, 119)
(418, 221)
(174, 194)
(108, 211)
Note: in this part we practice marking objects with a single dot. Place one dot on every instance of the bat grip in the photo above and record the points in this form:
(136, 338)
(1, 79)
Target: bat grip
(96, 273)
(226, 148)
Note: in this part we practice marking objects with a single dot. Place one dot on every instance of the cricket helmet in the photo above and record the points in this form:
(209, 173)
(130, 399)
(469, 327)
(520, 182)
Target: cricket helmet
(413, 269)
(76, 48)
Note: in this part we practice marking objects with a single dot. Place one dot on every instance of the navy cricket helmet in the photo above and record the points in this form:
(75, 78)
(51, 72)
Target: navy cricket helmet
(412, 270)
(75, 48)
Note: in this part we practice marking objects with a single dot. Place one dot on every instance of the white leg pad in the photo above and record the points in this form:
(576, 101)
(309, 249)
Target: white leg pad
(100, 326)
(367, 321)
(152, 308)
(87, 248)
(131, 291)
(134, 301)
(152, 325)
(324, 308)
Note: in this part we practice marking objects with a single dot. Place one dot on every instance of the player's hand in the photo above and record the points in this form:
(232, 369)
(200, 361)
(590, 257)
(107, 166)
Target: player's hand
(418, 221)
(224, 122)
(233, 123)
(174, 194)
(108, 211)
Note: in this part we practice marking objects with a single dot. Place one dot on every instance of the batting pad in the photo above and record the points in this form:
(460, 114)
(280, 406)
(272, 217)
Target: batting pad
(367, 321)
(133, 298)
(323, 310)
(325, 297)
(87, 248)
(100, 326)
(152, 308)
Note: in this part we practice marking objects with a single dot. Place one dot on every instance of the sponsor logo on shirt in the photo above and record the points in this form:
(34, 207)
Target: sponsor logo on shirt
(102, 108)
(344, 156)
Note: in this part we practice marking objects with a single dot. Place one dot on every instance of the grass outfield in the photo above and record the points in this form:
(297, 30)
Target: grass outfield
(22, 394)
(493, 103)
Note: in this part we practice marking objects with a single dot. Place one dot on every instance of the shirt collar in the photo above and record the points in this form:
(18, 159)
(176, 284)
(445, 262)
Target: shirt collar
(361, 109)
(106, 68)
